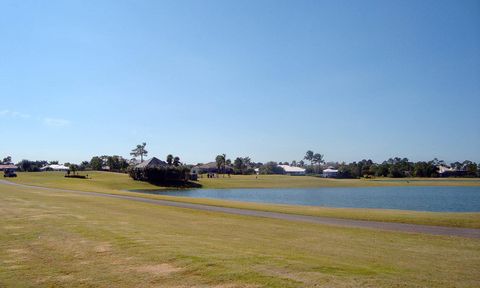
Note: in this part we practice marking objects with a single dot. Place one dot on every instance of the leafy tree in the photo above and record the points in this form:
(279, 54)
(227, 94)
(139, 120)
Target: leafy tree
(238, 164)
(83, 166)
(242, 165)
(317, 158)
(271, 168)
(55, 162)
(169, 159)
(456, 165)
(294, 163)
(96, 163)
(176, 161)
(31, 166)
(25, 165)
(470, 167)
(219, 161)
(309, 156)
(73, 168)
(301, 163)
(140, 151)
(7, 160)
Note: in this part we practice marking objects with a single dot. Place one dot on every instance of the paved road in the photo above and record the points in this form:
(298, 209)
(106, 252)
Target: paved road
(389, 226)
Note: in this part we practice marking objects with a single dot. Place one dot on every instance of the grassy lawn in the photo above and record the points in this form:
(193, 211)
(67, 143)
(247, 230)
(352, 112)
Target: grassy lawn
(285, 181)
(114, 183)
(55, 239)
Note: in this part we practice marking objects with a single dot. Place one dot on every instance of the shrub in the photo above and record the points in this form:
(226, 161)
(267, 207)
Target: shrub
(161, 174)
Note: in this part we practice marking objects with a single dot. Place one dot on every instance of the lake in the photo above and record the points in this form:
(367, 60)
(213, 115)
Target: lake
(438, 199)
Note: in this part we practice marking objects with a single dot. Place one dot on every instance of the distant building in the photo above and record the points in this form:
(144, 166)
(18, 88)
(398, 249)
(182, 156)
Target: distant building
(211, 168)
(330, 173)
(445, 171)
(8, 167)
(292, 170)
(151, 163)
(54, 167)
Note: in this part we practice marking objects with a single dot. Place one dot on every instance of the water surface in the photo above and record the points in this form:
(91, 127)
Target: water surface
(439, 199)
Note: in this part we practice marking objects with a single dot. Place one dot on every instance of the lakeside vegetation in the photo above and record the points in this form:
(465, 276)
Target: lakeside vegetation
(117, 183)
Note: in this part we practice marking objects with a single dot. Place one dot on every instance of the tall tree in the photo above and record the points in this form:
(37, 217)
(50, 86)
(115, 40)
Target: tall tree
(220, 160)
(224, 163)
(169, 159)
(309, 156)
(96, 163)
(84, 165)
(140, 151)
(7, 160)
(317, 158)
(176, 161)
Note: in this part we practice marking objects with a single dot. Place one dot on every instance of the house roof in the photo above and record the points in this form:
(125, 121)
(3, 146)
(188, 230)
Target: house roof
(330, 170)
(292, 169)
(55, 167)
(152, 163)
(444, 169)
(8, 166)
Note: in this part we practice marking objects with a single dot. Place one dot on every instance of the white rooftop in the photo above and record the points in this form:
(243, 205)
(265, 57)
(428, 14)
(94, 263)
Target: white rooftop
(290, 169)
(55, 167)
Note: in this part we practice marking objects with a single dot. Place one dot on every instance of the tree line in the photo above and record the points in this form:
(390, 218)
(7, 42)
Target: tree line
(313, 163)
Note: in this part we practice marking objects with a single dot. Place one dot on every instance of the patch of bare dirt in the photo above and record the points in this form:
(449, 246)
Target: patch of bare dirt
(158, 269)
(103, 248)
(12, 227)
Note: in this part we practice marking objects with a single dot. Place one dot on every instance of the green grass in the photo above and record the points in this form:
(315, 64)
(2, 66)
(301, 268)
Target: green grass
(285, 181)
(56, 239)
(114, 183)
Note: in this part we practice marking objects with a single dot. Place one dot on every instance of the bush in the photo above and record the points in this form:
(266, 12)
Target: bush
(160, 175)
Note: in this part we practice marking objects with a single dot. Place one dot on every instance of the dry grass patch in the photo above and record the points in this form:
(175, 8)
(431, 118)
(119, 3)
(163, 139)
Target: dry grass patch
(157, 269)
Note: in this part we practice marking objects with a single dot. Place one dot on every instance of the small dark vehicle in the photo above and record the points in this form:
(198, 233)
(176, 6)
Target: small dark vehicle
(10, 173)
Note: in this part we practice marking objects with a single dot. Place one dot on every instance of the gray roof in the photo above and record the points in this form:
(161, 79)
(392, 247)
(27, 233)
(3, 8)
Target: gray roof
(152, 163)
(8, 166)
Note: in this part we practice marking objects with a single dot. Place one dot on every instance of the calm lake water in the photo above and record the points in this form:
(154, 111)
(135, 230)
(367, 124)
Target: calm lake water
(440, 199)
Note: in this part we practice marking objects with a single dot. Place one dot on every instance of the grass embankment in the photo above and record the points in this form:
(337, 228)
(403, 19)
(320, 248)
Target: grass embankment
(57, 239)
(285, 181)
(114, 183)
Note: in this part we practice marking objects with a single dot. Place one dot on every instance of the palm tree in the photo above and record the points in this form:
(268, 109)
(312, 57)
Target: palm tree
(318, 159)
(220, 160)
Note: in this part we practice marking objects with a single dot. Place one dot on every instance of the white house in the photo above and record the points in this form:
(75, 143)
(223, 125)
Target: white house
(55, 167)
(292, 170)
(330, 173)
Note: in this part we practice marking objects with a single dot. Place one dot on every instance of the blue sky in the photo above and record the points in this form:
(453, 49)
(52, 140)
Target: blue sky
(265, 79)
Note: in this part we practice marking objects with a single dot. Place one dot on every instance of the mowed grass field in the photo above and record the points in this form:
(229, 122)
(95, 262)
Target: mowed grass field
(286, 181)
(57, 239)
(115, 183)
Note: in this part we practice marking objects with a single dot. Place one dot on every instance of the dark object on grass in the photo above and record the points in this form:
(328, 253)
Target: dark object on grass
(76, 176)
(9, 173)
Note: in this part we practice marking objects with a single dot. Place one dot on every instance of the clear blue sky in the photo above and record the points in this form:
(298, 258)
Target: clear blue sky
(265, 79)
